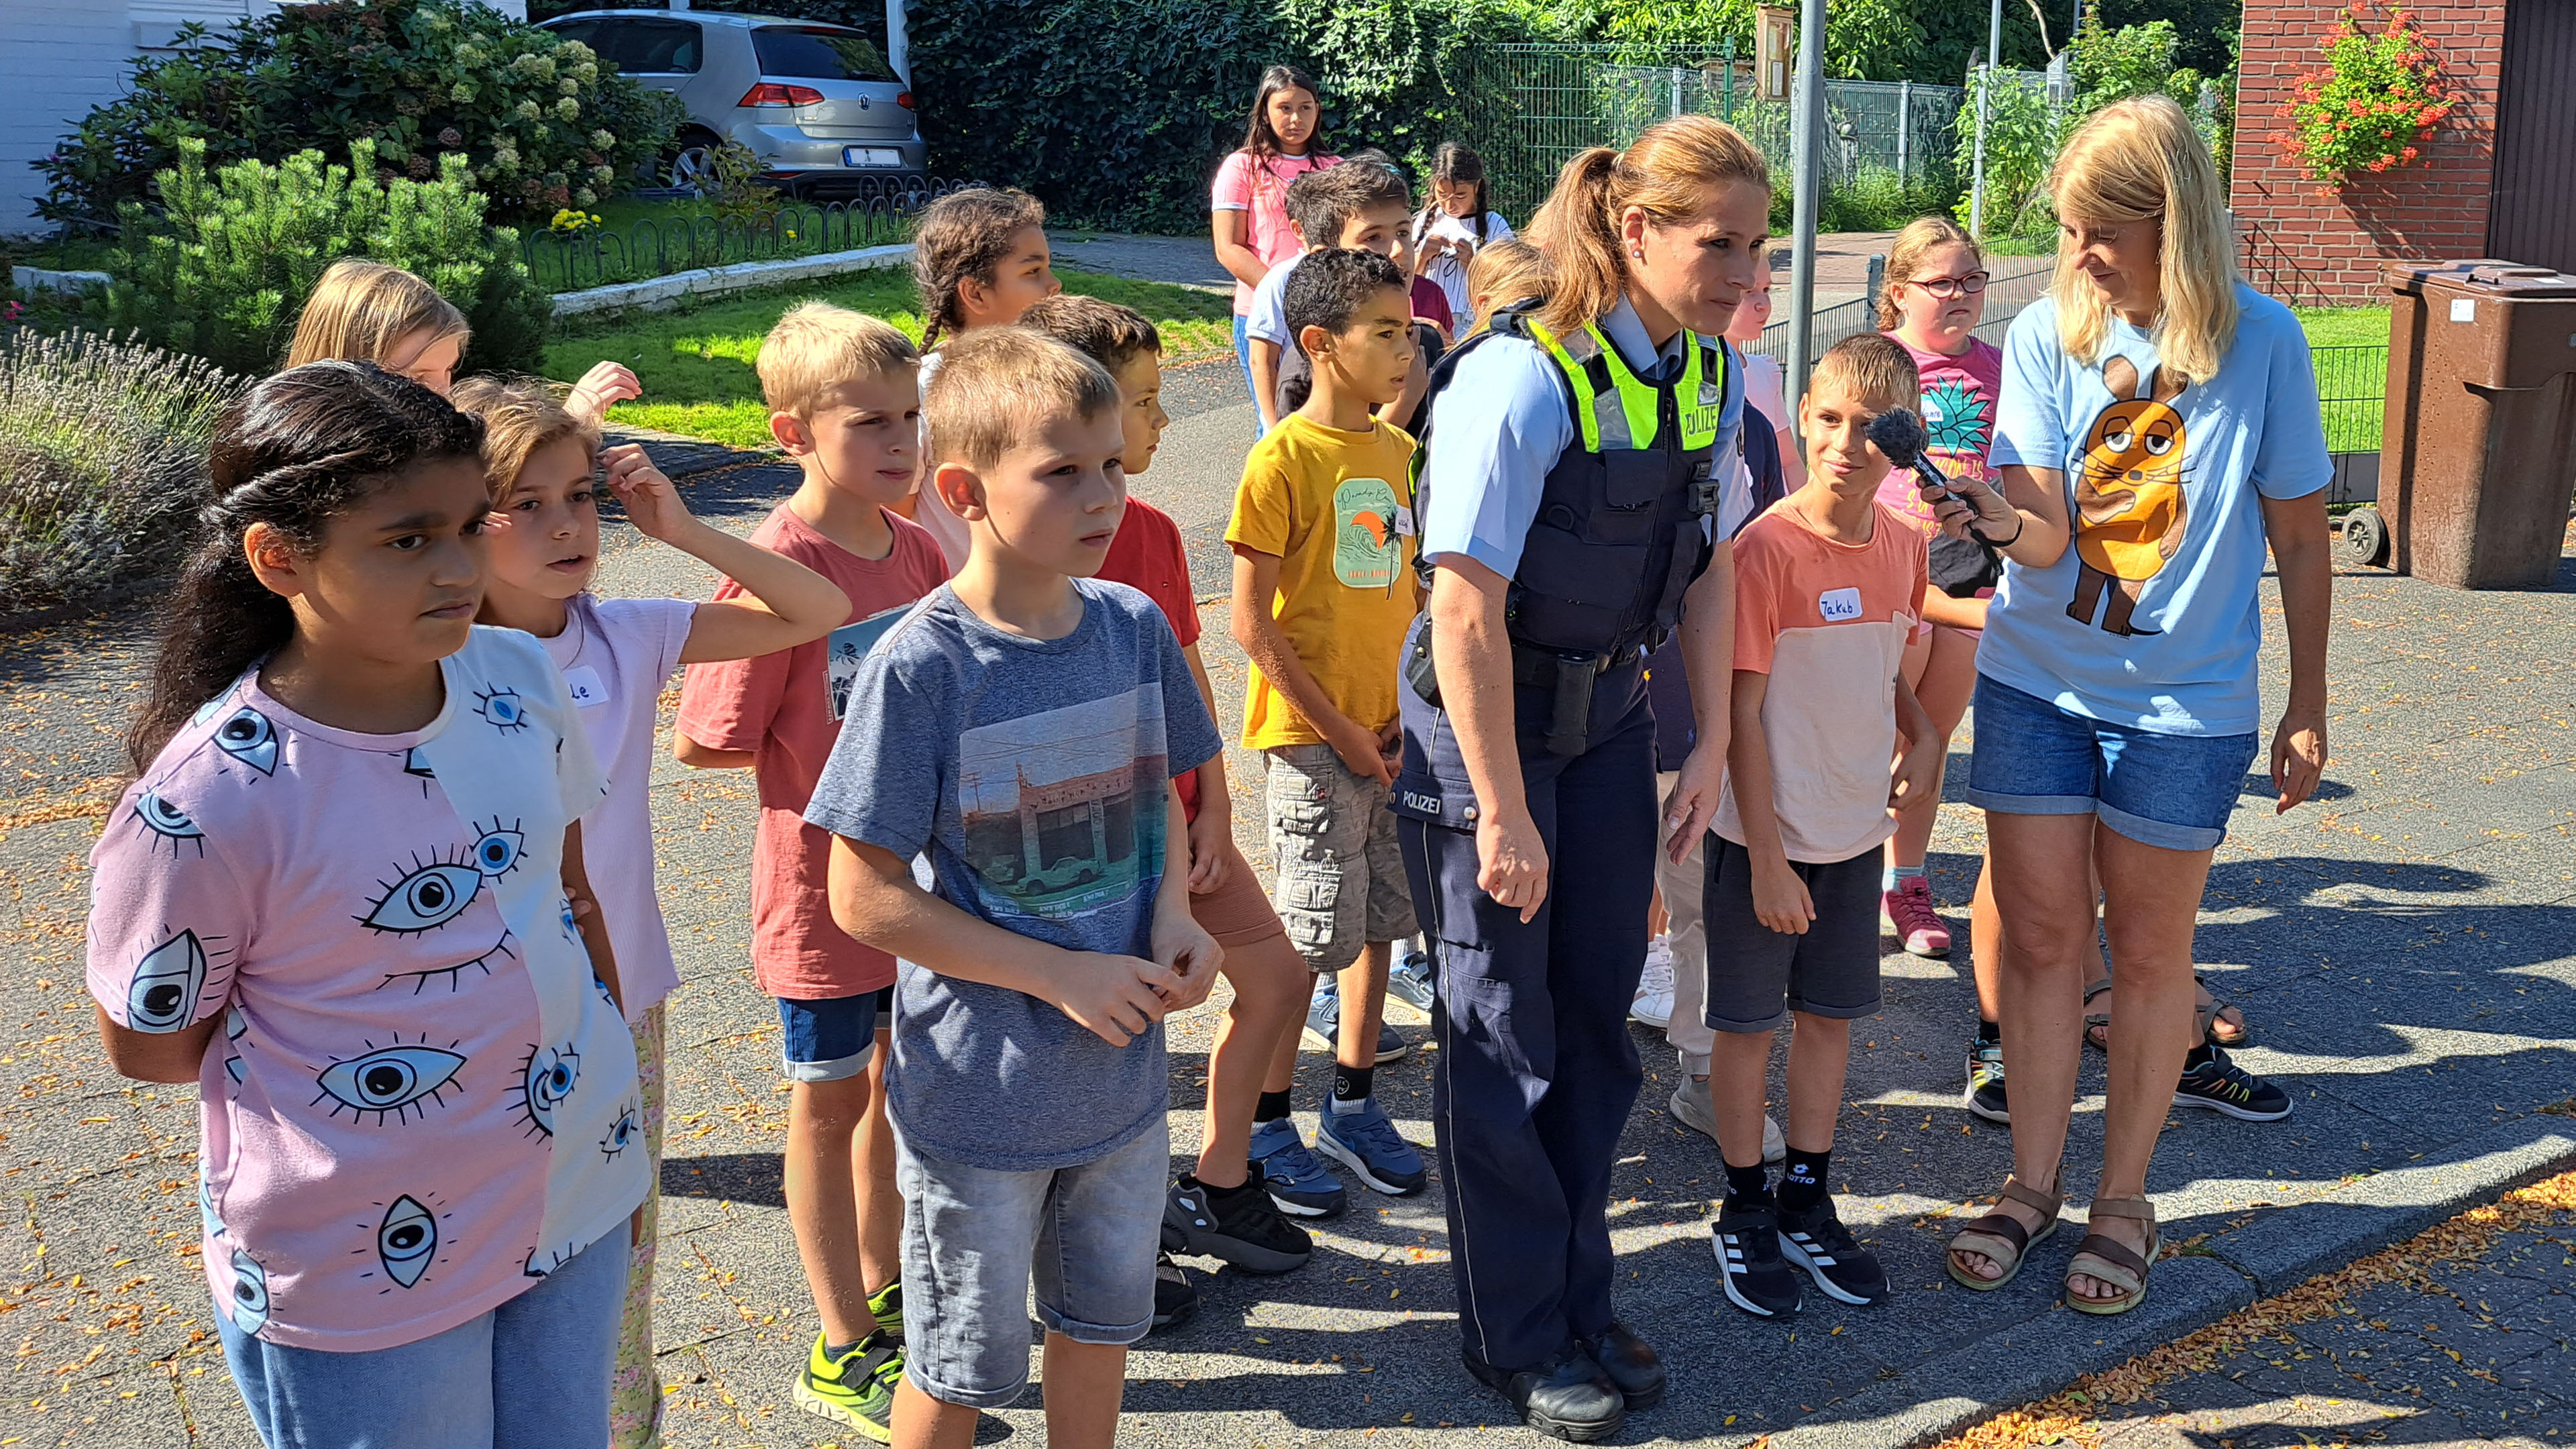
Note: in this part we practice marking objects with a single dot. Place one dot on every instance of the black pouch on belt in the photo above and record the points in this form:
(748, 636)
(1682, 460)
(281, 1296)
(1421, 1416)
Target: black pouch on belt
(1569, 679)
(1418, 669)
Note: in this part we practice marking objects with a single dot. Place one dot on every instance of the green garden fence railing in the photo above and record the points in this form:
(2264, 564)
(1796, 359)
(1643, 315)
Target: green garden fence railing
(1535, 106)
(687, 238)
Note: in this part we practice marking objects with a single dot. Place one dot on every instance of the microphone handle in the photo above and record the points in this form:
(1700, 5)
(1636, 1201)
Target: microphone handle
(1932, 479)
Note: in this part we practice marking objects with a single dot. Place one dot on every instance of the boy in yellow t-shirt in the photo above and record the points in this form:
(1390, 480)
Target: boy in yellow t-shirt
(1323, 592)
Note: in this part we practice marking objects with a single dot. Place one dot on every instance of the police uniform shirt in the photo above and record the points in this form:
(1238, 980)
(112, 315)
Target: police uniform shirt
(1502, 422)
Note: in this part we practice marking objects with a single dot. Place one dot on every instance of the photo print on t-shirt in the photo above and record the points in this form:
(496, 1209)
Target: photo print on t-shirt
(1367, 544)
(846, 646)
(1063, 810)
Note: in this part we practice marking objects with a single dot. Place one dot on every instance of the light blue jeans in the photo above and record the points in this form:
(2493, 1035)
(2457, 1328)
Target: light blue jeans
(531, 1374)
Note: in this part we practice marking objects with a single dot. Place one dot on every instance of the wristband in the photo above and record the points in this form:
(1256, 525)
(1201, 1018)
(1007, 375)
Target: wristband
(2019, 522)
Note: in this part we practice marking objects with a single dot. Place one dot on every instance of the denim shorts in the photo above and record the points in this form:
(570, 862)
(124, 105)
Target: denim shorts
(531, 1374)
(974, 1236)
(830, 1040)
(2170, 791)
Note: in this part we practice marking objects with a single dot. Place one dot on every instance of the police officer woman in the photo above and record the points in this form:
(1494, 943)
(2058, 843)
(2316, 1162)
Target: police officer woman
(1565, 502)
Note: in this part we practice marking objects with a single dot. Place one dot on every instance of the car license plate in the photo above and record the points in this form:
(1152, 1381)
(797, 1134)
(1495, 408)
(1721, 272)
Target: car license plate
(871, 156)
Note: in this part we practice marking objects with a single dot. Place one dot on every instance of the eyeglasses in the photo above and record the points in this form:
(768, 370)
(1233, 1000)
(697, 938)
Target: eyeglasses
(1947, 287)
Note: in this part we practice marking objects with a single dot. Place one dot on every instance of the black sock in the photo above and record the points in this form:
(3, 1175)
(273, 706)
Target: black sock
(1351, 1084)
(1270, 1107)
(1989, 1033)
(1747, 1187)
(1802, 1182)
(2201, 1056)
(835, 1352)
(1251, 1183)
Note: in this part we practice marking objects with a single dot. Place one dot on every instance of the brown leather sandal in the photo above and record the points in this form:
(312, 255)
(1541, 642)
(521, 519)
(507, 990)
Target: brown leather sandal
(2114, 1262)
(2215, 1029)
(2003, 1238)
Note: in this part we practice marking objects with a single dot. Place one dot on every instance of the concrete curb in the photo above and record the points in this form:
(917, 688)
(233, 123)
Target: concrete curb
(740, 276)
(2040, 1356)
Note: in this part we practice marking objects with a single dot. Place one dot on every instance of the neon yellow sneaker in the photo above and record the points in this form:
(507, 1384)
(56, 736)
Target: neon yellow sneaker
(856, 1390)
(886, 1305)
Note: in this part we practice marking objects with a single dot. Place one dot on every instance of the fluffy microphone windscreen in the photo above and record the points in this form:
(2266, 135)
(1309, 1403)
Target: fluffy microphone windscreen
(1899, 434)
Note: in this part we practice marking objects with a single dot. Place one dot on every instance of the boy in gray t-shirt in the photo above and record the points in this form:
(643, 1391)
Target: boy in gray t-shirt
(1021, 727)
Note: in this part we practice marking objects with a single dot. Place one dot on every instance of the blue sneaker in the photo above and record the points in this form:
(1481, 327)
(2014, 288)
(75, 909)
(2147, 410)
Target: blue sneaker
(1409, 980)
(1323, 1023)
(1297, 1182)
(1362, 1140)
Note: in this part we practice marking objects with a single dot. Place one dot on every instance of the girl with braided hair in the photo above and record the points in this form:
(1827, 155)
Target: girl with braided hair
(345, 897)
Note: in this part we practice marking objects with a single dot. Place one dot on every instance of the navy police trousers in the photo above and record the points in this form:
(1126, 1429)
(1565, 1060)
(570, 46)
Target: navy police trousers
(1536, 1071)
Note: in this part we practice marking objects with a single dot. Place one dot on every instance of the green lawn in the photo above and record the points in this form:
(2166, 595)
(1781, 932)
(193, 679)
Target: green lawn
(2351, 361)
(2344, 326)
(696, 364)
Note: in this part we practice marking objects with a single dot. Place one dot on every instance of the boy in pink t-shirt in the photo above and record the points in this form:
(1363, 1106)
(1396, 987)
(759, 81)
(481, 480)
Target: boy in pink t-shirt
(845, 405)
(1828, 586)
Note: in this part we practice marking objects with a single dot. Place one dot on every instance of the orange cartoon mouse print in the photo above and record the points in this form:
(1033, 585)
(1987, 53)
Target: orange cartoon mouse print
(2128, 495)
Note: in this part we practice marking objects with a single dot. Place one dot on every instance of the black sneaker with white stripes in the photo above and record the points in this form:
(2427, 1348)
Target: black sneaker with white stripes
(1175, 1296)
(1757, 1279)
(2223, 1086)
(1817, 1241)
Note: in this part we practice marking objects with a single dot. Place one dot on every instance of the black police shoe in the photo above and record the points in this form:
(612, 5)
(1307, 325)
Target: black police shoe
(1568, 1396)
(1817, 1241)
(1757, 1279)
(1630, 1364)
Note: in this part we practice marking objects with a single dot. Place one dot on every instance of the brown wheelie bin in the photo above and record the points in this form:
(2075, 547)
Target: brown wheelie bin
(2479, 448)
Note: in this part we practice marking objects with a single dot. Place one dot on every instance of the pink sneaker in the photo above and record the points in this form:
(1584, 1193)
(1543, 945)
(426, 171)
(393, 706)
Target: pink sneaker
(1907, 913)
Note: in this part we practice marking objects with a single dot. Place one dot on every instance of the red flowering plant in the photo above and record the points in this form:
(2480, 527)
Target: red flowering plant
(2377, 99)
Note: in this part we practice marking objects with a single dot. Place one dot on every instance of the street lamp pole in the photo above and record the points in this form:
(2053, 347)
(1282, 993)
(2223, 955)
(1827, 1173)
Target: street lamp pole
(1808, 136)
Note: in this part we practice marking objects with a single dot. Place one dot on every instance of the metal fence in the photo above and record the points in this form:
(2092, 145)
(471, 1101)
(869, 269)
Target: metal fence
(2012, 284)
(2352, 388)
(688, 238)
(1535, 106)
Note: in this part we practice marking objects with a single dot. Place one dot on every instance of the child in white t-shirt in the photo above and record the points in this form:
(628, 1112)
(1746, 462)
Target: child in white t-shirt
(1458, 223)
(615, 655)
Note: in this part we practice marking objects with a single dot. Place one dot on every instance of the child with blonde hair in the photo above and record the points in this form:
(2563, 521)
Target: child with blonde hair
(363, 311)
(844, 405)
(542, 536)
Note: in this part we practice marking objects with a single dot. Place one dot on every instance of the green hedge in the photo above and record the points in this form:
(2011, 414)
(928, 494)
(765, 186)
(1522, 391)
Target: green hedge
(1116, 112)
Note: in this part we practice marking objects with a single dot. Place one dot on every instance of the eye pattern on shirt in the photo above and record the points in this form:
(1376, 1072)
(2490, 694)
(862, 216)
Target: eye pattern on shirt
(406, 1240)
(497, 847)
(250, 738)
(167, 984)
(424, 898)
(211, 1220)
(454, 975)
(416, 765)
(542, 1261)
(166, 822)
(544, 1081)
(505, 708)
(630, 1121)
(390, 1081)
(250, 1293)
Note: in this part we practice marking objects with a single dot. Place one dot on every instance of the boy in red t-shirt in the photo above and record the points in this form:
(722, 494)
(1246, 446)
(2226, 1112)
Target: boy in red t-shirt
(845, 404)
(1828, 586)
(1222, 1209)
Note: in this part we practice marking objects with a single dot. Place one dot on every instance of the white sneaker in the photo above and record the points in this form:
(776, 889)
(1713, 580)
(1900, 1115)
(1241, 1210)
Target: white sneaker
(1690, 1108)
(1654, 1003)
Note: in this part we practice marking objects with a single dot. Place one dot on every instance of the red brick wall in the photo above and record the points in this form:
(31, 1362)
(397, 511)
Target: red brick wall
(2310, 248)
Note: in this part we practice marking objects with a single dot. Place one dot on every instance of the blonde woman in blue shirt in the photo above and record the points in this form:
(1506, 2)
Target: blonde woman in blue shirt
(2159, 426)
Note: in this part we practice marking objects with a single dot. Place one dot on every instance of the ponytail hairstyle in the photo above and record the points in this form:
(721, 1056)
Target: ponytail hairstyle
(1905, 260)
(1454, 165)
(294, 452)
(2138, 161)
(1258, 138)
(965, 234)
(1670, 171)
(360, 309)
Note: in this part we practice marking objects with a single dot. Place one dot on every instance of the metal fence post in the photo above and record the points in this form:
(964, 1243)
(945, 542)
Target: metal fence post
(1808, 127)
(1726, 100)
(1877, 279)
(1983, 80)
(1677, 91)
(1904, 131)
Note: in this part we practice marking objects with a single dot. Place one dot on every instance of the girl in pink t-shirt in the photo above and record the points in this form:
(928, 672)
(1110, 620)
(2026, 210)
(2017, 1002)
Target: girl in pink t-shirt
(615, 656)
(341, 898)
(1248, 204)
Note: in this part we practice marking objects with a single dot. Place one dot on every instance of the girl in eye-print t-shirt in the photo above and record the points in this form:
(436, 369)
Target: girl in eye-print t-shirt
(418, 1096)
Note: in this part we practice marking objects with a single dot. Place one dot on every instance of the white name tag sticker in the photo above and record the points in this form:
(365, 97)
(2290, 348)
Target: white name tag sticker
(1404, 522)
(2464, 309)
(1838, 605)
(588, 690)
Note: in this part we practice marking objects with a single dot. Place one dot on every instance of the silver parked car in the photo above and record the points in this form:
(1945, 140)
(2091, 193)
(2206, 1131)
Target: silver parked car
(819, 104)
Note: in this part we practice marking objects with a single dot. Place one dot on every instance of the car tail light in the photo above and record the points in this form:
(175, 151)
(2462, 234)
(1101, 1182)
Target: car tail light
(770, 93)
(904, 99)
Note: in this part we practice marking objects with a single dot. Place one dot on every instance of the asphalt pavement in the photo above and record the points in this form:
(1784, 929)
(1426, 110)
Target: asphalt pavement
(2405, 948)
